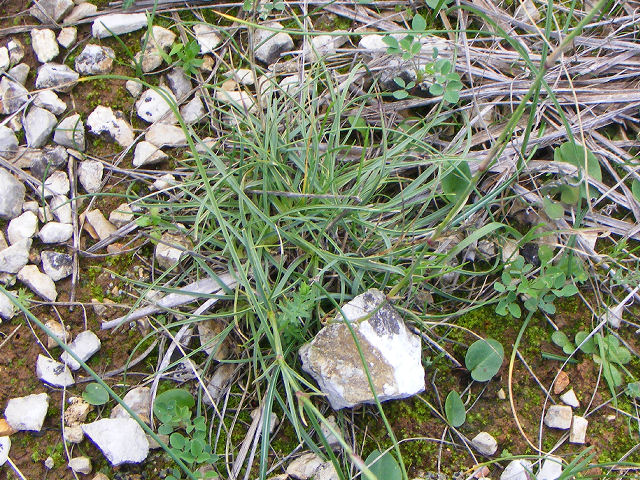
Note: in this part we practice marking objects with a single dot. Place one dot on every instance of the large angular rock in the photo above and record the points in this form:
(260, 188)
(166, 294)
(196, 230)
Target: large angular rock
(117, 24)
(11, 195)
(15, 257)
(51, 160)
(165, 135)
(45, 45)
(269, 45)
(55, 232)
(22, 227)
(138, 400)
(27, 413)
(48, 100)
(8, 142)
(70, 133)
(13, 95)
(59, 77)
(147, 154)
(38, 125)
(54, 373)
(56, 265)
(517, 470)
(558, 416)
(84, 346)
(95, 60)
(121, 440)
(103, 119)
(90, 175)
(82, 10)
(551, 468)
(37, 281)
(392, 353)
(50, 11)
(152, 106)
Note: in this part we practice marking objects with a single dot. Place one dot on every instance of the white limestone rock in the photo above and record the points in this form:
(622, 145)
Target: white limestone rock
(38, 282)
(102, 227)
(85, 345)
(392, 352)
(51, 160)
(50, 11)
(117, 24)
(95, 60)
(56, 184)
(59, 77)
(569, 398)
(90, 175)
(11, 195)
(80, 11)
(165, 135)
(152, 106)
(558, 416)
(4, 59)
(134, 88)
(165, 181)
(61, 208)
(7, 308)
(138, 400)
(305, 466)
(70, 133)
(103, 119)
(80, 464)
(485, 444)
(193, 111)
(59, 332)
(207, 37)
(122, 215)
(13, 95)
(121, 440)
(171, 249)
(5, 448)
(67, 36)
(19, 73)
(16, 51)
(38, 125)
(27, 413)
(179, 83)
(147, 153)
(45, 44)
(48, 100)
(517, 470)
(56, 265)
(551, 468)
(241, 100)
(55, 232)
(269, 45)
(159, 40)
(15, 257)
(53, 373)
(8, 143)
(22, 227)
(578, 432)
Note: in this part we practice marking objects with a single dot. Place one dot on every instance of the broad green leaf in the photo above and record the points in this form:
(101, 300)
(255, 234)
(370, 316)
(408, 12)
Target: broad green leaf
(418, 24)
(168, 403)
(451, 96)
(514, 310)
(560, 338)
(177, 440)
(635, 189)
(575, 154)
(386, 467)
(589, 347)
(553, 209)
(436, 89)
(95, 394)
(484, 359)
(457, 179)
(454, 409)
(633, 390)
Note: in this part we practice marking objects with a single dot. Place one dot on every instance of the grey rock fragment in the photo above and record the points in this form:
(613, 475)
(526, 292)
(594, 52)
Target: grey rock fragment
(19, 73)
(55, 232)
(178, 83)
(485, 444)
(517, 470)
(90, 175)
(85, 345)
(121, 440)
(50, 11)
(165, 135)
(38, 282)
(67, 36)
(207, 37)
(13, 95)
(45, 45)
(22, 227)
(53, 373)
(95, 60)
(48, 100)
(153, 106)
(117, 24)
(269, 45)
(51, 160)
(70, 133)
(8, 143)
(15, 257)
(11, 195)
(38, 125)
(147, 154)
(56, 265)
(103, 119)
(80, 11)
(59, 77)
(558, 416)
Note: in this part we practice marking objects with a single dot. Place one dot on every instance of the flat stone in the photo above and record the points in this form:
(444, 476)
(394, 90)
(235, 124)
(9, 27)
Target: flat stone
(152, 107)
(80, 465)
(165, 181)
(56, 184)
(49, 463)
(117, 24)
(38, 125)
(178, 83)
(19, 73)
(168, 255)
(578, 432)
(67, 36)
(305, 466)
(517, 470)
(8, 143)
(15, 257)
(45, 44)
(147, 153)
(207, 37)
(103, 119)
(95, 60)
(22, 227)
(11, 195)
(392, 352)
(90, 175)
(51, 11)
(100, 224)
(27, 413)
(121, 440)
(138, 400)
(13, 95)
(77, 411)
(58, 331)
(85, 345)
(165, 135)
(80, 11)
(38, 282)
(56, 265)
(134, 88)
(122, 215)
(193, 111)
(61, 208)
(485, 444)
(241, 100)
(569, 398)
(48, 100)
(55, 232)
(73, 434)
(70, 133)
(558, 416)
(59, 77)
(7, 308)
(269, 45)
(551, 468)
(16, 50)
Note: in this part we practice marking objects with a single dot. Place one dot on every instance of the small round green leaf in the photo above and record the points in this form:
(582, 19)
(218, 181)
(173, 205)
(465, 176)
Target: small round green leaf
(168, 402)
(560, 338)
(454, 409)
(385, 467)
(484, 359)
(95, 394)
